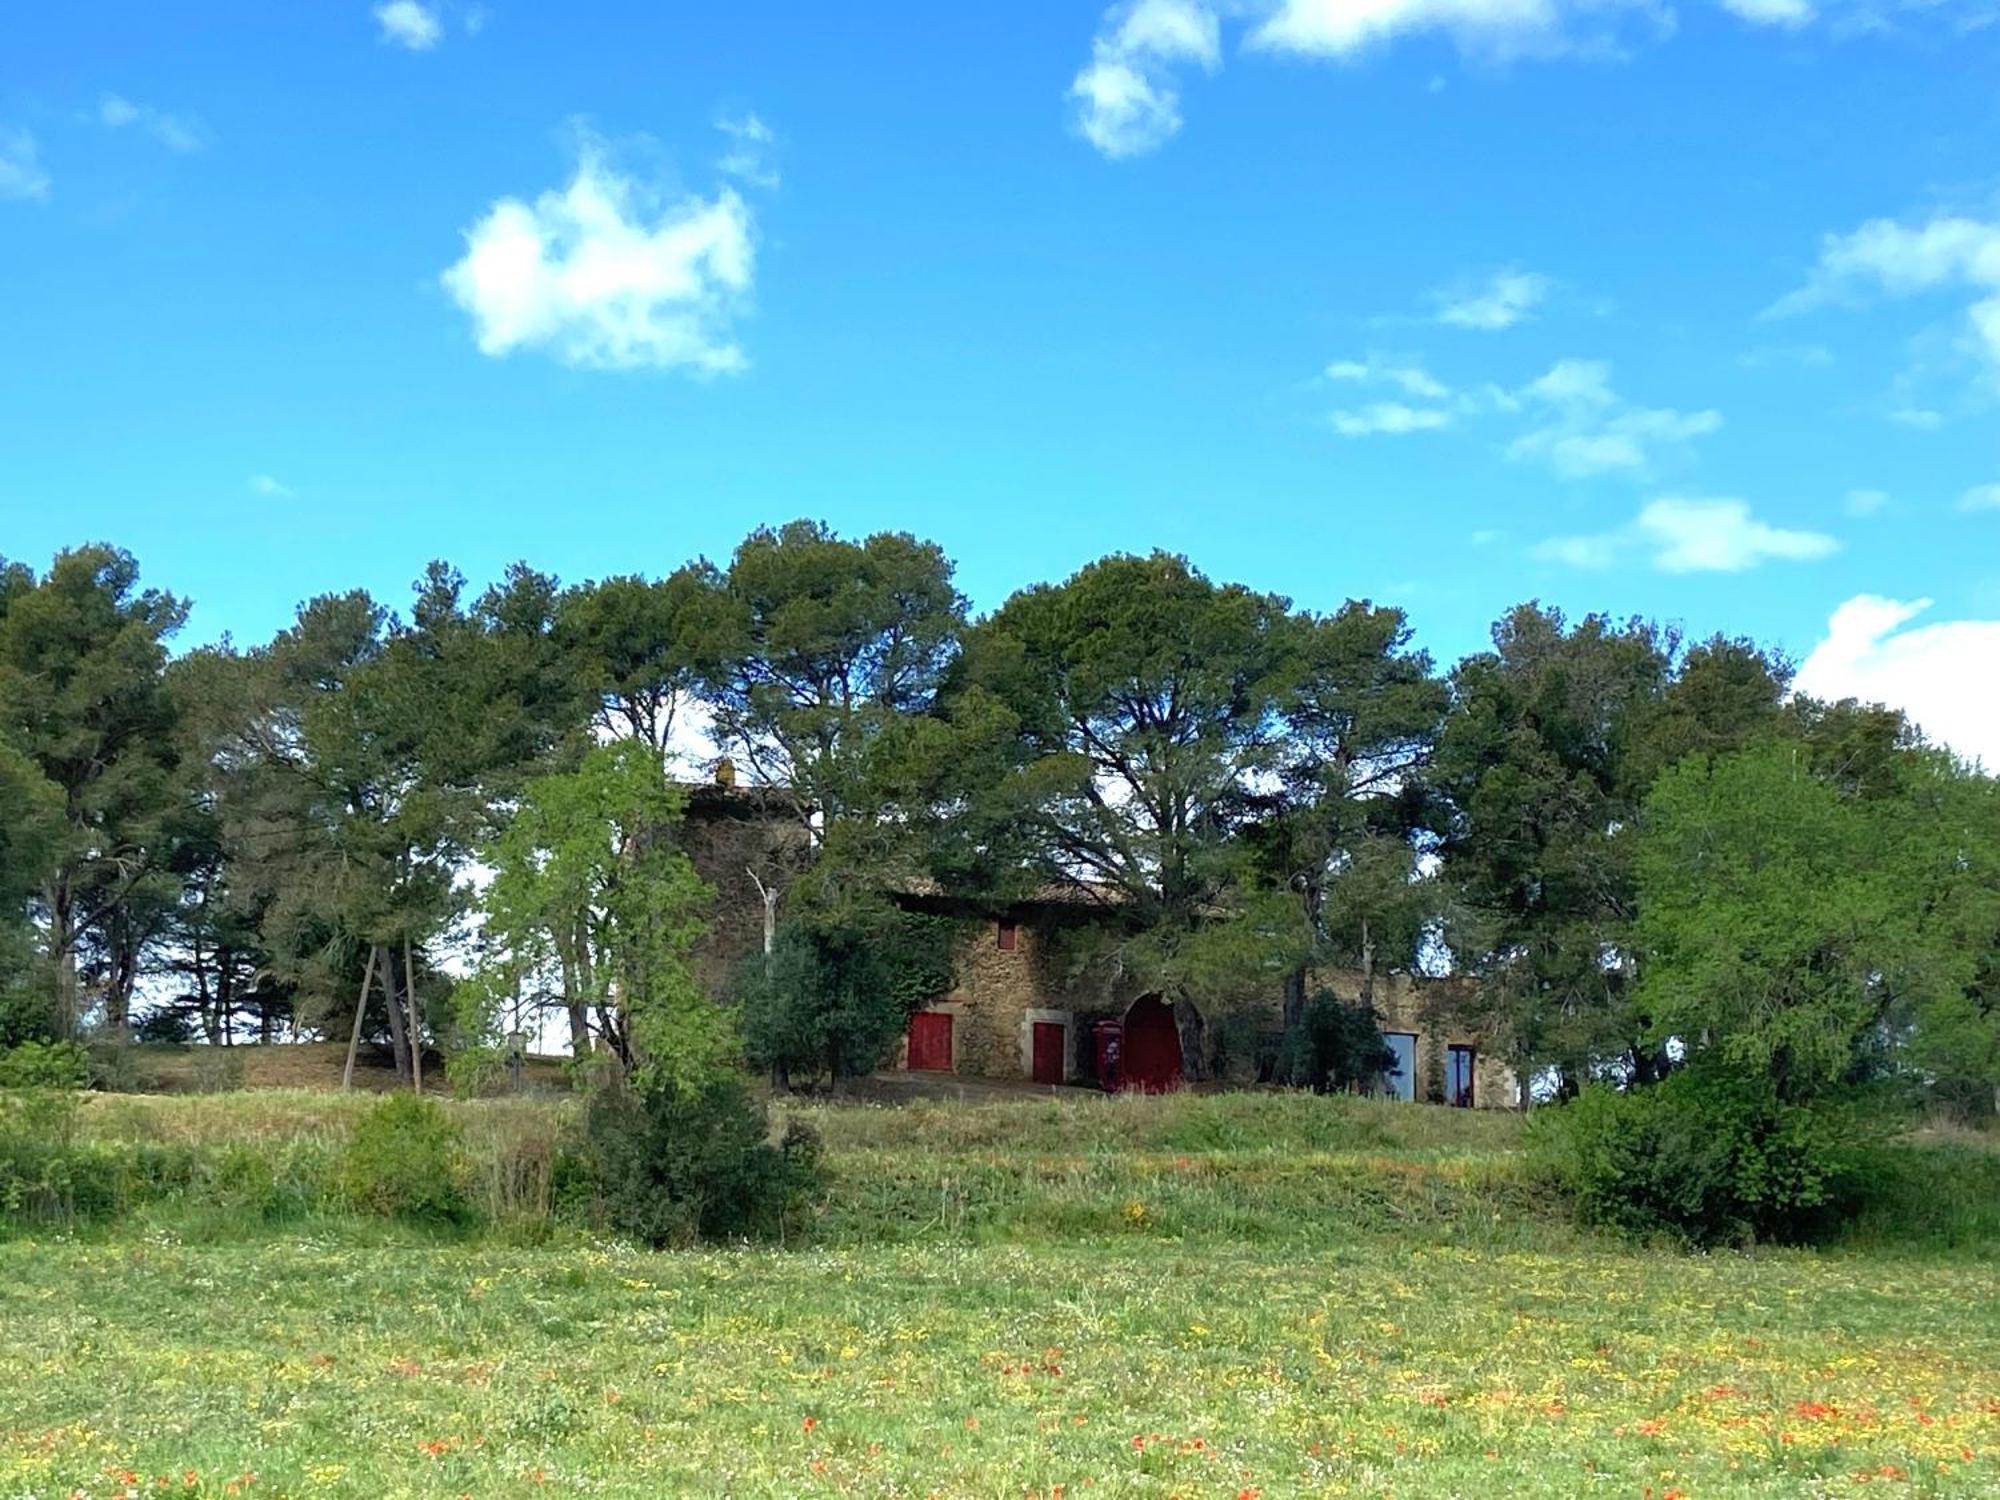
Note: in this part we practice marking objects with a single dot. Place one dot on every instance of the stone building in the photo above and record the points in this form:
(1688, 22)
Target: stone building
(1023, 1007)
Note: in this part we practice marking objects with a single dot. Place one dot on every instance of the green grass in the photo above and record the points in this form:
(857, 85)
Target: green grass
(1121, 1297)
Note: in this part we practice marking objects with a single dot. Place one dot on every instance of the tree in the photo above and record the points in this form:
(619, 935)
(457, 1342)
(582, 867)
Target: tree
(832, 998)
(82, 651)
(639, 646)
(1552, 741)
(31, 833)
(825, 645)
(594, 906)
(1146, 704)
(1344, 830)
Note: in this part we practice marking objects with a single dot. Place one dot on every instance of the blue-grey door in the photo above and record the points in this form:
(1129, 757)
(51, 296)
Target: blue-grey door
(1400, 1082)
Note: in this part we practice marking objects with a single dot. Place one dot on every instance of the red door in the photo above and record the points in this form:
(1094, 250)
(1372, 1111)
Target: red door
(1049, 1049)
(1152, 1060)
(930, 1041)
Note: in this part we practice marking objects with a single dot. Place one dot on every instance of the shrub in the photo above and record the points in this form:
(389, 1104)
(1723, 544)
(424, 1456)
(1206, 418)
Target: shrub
(44, 1171)
(1338, 1045)
(476, 1072)
(44, 1065)
(675, 1167)
(834, 996)
(1711, 1159)
(406, 1161)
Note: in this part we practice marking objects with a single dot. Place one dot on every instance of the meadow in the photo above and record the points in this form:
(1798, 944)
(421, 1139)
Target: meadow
(1223, 1296)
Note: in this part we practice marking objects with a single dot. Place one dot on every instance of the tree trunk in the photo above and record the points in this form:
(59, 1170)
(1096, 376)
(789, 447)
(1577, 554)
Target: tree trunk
(1194, 1056)
(1367, 968)
(225, 990)
(769, 895)
(62, 948)
(360, 1013)
(416, 1018)
(1292, 1065)
(398, 1043)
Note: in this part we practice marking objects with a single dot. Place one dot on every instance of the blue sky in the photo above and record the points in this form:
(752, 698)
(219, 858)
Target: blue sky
(1687, 311)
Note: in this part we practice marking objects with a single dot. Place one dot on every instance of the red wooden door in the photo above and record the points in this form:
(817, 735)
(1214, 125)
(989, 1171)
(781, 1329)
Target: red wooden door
(1152, 1061)
(1049, 1039)
(930, 1041)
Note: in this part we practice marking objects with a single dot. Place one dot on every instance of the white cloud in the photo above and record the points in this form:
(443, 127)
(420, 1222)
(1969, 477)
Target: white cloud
(750, 142)
(1411, 379)
(1787, 13)
(1489, 28)
(1684, 535)
(1899, 260)
(1390, 418)
(1126, 97)
(605, 274)
(1586, 428)
(1980, 497)
(21, 174)
(1927, 672)
(407, 23)
(1504, 299)
(1865, 502)
(171, 131)
(265, 485)
(1721, 536)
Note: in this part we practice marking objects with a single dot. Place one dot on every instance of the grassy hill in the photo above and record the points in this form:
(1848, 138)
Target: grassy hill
(1268, 1295)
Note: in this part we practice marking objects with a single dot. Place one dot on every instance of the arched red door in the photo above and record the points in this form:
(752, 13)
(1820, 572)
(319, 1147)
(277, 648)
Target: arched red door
(1152, 1053)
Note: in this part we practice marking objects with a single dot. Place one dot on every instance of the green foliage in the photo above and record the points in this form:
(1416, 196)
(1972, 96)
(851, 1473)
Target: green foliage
(1338, 1046)
(593, 906)
(406, 1161)
(1790, 929)
(678, 1167)
(46, 1170)
(1553, 739)
(834, 995)
(826, 646)
(1708, 1156)
(44, 1065)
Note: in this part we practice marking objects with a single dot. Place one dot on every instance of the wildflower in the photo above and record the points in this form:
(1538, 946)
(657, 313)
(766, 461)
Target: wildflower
(809, 1424)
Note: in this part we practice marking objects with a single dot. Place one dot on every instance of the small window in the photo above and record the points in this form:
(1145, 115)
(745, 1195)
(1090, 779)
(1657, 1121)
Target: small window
(1458, 1071)
(1008, 935)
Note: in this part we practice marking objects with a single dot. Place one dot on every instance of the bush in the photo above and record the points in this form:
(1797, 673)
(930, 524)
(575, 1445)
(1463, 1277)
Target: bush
(833, 997)
(164, 1028)
(1338, 1045)
(44, 1065)
(45, 1173)
(675, 1168)
(1712, 1160)
(406, 1161)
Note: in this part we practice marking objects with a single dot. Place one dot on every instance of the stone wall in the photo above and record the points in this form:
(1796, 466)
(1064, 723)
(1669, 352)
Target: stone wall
(729, 832)
(999, 994)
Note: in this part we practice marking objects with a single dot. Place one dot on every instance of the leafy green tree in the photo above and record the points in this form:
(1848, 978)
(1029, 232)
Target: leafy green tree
(1552, 741)
(833, 998)
(1800, 934)
(31, 833)
(82, 652)
(639, 645)
(826, 644)
(1147, 708)
(593, 905)
(1346, 829)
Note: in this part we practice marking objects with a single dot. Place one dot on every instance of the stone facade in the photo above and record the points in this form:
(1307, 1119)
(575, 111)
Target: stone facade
(1018, 972)
(735, 837)
(1005, 986)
